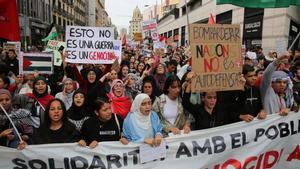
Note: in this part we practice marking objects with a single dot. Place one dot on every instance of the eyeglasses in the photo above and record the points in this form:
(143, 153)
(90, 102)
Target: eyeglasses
(68, 83)
(119, 86)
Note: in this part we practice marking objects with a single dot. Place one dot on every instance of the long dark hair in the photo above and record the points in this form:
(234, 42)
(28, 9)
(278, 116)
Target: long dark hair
(170, 80)
(98, 103)
(47, 120)
(151, 80)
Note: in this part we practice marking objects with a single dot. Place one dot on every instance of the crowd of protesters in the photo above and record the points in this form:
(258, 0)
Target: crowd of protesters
(142, 99)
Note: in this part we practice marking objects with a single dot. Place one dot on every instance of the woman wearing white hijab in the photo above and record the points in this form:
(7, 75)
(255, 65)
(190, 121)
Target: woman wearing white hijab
(142, 124)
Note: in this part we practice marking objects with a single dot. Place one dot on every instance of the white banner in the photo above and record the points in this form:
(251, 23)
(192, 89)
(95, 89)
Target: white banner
(149, 28)
(261, 144)
(92, 45)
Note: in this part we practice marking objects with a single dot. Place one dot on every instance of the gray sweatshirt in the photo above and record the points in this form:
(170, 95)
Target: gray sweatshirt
(271, 100)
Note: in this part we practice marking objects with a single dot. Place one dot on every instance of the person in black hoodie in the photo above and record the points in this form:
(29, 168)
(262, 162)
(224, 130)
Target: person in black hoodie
(249, 100)
(106, 127)
(79, 111)
(57, 128)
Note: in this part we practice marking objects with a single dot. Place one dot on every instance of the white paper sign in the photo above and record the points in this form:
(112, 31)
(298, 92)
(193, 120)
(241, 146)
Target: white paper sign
(94, 45)
(148, 153)
(149, 28)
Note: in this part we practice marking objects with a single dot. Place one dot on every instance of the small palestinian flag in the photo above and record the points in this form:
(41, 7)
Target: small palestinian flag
(31, 62)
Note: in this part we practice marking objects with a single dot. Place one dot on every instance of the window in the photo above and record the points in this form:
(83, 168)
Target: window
(170, 33)
(54, 19)
(59, 5)
(183, 36)
(183, 10)
(59, 21)
(64, 23)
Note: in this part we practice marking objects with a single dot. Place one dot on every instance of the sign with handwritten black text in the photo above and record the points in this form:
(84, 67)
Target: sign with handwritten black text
(216, 57)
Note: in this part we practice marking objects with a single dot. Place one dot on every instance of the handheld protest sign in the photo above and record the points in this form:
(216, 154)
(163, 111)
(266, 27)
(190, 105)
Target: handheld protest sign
(216, 57)
(149, 28)
(91, 45)
(41, 62)
(57, 47)
(138, 37)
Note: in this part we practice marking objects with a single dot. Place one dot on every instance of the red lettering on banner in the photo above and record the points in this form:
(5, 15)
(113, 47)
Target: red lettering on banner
(258, 164)
(263, 161)
(101, 56)
(53, 43)
(206, 51)
(249, 160)
(212, 65)
(294, 155)
(232, 162)
(225, 51)
(271, 157)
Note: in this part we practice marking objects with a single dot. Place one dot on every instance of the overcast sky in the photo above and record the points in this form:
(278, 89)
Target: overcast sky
(121, 11)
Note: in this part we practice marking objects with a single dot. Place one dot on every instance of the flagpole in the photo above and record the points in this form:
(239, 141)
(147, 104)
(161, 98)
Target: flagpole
(294, 41)
(187, 20)
(25, 29)
(11, 122)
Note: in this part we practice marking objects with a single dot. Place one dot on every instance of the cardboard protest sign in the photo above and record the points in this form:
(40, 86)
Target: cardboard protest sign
(93, 45)
(11, 46)
(216, 57)
(149, 28)
(31, 62)
(138, 37)
(55, 47)
(17, 47)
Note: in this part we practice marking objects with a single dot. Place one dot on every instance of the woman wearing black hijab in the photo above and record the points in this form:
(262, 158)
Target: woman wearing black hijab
(79, 111)
(90, 84)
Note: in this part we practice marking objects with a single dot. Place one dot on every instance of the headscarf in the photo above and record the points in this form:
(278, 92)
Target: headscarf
(141, 120)
(133, 76)
(3, 117)
(69, 95)
(111, 92)
(44, 98)
(281, 75)
(36, 94)
(77, 113)
(120, 105)
(5, 91)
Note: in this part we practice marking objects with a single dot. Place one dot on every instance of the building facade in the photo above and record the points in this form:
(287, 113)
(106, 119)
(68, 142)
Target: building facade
(68, 12)
(97, 15)
(270, 28)
(152, 12)
(35, 17)
(135, 23)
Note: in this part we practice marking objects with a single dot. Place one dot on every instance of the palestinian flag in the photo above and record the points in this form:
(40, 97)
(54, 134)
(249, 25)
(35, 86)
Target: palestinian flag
(52, 34)
(41, 62)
